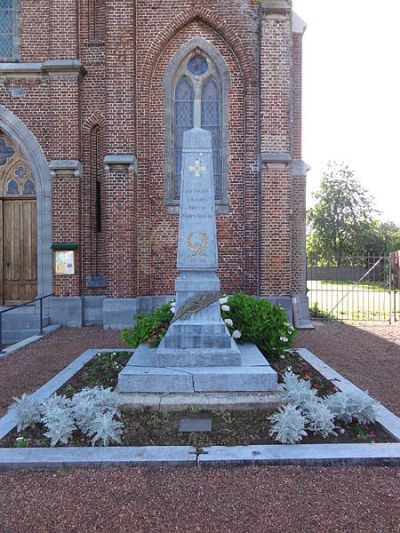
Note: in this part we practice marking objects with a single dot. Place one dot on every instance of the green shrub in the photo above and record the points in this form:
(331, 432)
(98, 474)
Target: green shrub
(260, 322)
(149, 327)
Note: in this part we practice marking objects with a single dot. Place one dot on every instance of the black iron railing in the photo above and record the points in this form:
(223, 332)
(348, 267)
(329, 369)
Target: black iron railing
(12, 308)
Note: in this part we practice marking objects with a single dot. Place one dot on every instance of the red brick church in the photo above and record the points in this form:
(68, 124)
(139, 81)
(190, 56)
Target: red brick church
(94, 98)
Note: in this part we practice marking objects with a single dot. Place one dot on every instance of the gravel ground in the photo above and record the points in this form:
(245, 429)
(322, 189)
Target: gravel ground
(271, 499)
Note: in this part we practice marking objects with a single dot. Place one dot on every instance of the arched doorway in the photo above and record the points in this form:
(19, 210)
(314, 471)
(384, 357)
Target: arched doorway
(18, 229)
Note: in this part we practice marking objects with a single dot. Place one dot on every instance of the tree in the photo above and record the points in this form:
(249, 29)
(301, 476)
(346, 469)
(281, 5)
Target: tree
(342, 219)
(383, 237)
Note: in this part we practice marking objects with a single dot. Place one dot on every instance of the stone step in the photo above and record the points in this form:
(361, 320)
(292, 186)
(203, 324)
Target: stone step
(142, 376)
(23, 322)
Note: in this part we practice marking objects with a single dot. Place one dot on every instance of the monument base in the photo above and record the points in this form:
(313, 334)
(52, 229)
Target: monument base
(142, 375)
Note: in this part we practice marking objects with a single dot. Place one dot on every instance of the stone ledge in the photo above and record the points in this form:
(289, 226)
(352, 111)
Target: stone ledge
(65, 167)
(276, 6)
(49, 67)
(122, 162)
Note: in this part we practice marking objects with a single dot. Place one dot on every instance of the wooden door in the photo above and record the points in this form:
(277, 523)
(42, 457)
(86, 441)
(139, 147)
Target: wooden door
(19, 250)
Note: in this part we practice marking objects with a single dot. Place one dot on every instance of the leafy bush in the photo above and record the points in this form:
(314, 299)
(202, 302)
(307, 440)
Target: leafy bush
(347, 406)
(27, 411)
(92, 411)
(288, 425)
(58, 418)
(105, 429)
(88, 404)
(297, 391)
(260, 322)
(149, 327)
(319, 418)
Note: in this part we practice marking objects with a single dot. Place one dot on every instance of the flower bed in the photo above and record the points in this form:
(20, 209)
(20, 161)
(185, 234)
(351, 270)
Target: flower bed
(145, 427)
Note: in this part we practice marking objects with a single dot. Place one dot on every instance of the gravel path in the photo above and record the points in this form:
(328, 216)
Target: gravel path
(247, 499)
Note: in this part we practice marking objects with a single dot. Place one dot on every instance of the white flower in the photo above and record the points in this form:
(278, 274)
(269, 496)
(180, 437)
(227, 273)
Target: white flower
(284, 339)
(172, 310)
(20, 438)
(225, 308)
(282, 357)
(223, 300)
(236, 334)
(228, 322)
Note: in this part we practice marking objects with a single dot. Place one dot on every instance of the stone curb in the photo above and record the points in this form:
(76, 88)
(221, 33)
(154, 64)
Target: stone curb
(276, 454)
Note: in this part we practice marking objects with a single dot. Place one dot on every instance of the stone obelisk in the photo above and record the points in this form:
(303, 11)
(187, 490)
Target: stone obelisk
(201, 339)
(197, 357)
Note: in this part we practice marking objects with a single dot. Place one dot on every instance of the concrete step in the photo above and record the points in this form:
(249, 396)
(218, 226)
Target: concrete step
(11, 337)
(19, 322)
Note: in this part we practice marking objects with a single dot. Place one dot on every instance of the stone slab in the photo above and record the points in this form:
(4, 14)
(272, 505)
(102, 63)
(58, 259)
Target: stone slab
(56, 458)
(238, 379)
(199, 356)
(195, 425)
(66, 311)
(153, 379)
(204, 400)
(303, 454)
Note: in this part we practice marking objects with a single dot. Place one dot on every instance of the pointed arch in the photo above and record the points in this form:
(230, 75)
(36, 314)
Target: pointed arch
(246, 58)
(12, 126)
(218, 74)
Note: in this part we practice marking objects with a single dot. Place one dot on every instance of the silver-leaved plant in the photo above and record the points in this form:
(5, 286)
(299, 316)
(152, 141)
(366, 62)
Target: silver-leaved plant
(58, 419)
(27, 410)
(347, 406)
(297, 391)
(288, 425)
(319, 418)
(106, 429)
(89, 403)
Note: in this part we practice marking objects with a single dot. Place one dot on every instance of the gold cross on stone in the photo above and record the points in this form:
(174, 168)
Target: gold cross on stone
(197, 168)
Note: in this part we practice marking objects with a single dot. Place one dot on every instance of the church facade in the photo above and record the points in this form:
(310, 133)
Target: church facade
(94, 98)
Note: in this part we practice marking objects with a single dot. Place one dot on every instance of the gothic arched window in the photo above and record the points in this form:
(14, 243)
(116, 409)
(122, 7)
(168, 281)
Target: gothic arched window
(9, 11)
(184, 114)
(198, 91)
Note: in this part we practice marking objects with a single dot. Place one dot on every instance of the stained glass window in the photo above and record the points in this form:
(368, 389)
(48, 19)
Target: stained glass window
(211, 121)
(198, 65)
(184, 109)
(12, 188)
(29, 187)
(6, 152)
(7, 29)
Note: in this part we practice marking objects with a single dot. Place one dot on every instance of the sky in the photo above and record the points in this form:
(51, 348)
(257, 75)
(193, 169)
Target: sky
(351, 101)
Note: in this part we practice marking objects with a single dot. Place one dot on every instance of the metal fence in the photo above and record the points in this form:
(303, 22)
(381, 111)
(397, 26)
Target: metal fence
(359, 288)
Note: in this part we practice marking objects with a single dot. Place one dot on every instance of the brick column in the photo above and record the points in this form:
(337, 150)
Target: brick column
(118, 189)
(120, 44)
(276, 147)
(66, 179)
(119, 225)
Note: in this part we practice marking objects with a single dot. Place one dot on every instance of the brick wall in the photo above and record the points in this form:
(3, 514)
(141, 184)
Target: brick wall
(121, 94)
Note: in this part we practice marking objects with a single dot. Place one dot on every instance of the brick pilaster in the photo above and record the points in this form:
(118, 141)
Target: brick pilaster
(119, 223)
(66, 180)
(276, 147)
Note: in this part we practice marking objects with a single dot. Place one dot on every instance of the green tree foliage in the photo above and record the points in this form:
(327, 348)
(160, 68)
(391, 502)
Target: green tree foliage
(341, 222)
(383, 237)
